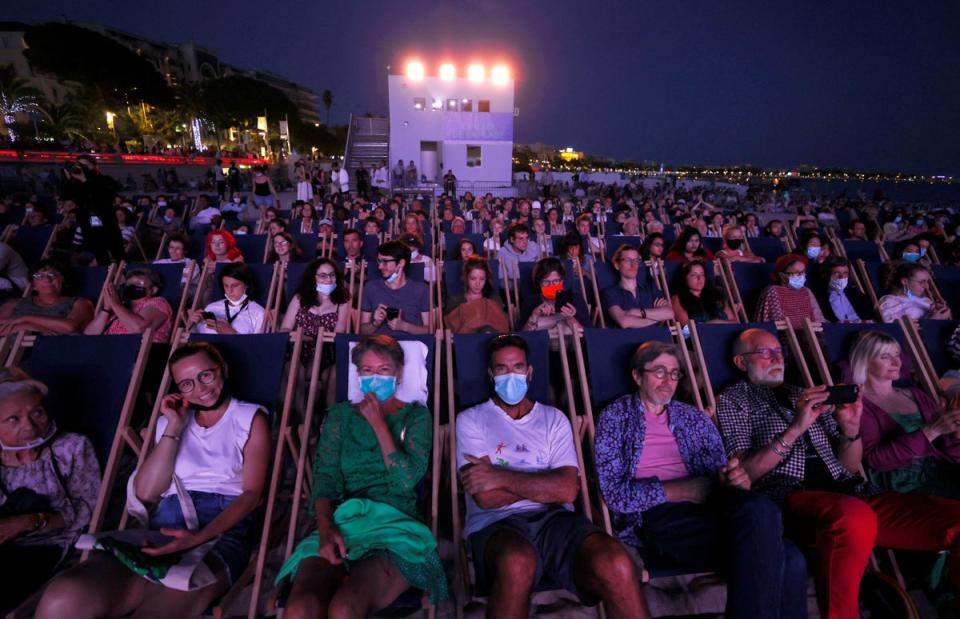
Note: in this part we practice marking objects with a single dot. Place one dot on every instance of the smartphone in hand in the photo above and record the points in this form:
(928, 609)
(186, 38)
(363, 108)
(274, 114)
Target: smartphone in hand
(842, 394)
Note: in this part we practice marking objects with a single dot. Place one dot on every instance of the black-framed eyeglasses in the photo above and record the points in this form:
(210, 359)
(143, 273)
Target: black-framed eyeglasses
(383, 261)
(47, 275)
(662, 372)
(767, 353)
(206, 377)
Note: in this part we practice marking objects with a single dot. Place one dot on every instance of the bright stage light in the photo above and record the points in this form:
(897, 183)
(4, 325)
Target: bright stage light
(415, 70)
(447, 71)
(500, 75)
(476, 73)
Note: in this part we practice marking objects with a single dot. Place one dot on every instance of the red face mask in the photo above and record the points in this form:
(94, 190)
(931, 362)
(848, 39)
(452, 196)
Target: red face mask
(550, 292)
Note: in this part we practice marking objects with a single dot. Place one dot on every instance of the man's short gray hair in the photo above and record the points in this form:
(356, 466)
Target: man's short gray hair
(648, 351)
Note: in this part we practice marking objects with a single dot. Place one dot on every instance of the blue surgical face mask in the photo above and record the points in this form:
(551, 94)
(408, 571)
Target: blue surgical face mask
(797, 281)
(920, 222)
(813, 252)
(511, 388)
(393, 276)
(326, 289)
(685, 330)
(839, 284)
(911, 256)
(897, 219)
(382, 387)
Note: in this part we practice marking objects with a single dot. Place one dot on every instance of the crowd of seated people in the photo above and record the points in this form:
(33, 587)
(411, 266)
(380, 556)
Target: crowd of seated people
(773, 477)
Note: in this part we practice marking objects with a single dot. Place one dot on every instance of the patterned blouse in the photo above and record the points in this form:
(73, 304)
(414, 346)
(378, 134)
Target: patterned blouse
(67, 474)
(781, 302)
(162, 333)
(620, 435)
(750, 416)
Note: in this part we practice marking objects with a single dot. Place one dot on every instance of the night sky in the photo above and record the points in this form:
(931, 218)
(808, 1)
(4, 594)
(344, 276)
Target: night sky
(866, 85)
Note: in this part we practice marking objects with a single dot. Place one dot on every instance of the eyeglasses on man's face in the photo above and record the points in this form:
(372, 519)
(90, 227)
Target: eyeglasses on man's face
(661, 372)
(767, 353)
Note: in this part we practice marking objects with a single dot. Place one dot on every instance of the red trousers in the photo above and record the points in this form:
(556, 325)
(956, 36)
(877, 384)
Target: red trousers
(844, 530)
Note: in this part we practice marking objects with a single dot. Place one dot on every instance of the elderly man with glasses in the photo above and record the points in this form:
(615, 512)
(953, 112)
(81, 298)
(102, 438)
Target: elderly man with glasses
(679, 500)
(805, 454)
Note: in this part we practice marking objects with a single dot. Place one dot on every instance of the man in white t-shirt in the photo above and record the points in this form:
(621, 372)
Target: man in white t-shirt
(205, 213)
(518, 465)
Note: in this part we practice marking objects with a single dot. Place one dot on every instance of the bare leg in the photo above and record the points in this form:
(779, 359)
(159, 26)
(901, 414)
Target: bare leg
(373, 584)
(313, 587)
(604, 568)
(164, 602)
(98, 587)
(512, 562)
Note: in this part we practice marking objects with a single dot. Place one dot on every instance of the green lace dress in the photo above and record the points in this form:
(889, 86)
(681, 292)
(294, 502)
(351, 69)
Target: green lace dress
(348, 465)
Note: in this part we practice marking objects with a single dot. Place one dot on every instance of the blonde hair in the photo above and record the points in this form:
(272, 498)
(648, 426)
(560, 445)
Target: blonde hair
(868, 346)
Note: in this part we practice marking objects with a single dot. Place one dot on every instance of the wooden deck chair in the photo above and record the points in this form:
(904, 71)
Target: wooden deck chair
(93, 381)
(767, 248)
(747, 282)
(33, 244)
(869, 273)
(855, 249)
(934, 335)
(613, 243)
(468, 385)
(173, 289)
(829, 351)
(267, 278)
(256, 375)
(603, 358)
(602, 276)
(308, 246)
(254, 247)
(575, 268)
(921, 352)
(946, 286)
(713, 355)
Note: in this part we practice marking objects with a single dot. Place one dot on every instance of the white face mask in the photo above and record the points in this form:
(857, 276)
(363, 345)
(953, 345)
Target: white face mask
(326, 289)
(813, 252)
(242, 298)
(839, 285)
(37, 442)
(797, 281)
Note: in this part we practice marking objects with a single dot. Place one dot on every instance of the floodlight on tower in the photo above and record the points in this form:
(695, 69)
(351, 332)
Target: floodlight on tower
(415, 70)
(447, 71)
(476, 73)
(500, 75)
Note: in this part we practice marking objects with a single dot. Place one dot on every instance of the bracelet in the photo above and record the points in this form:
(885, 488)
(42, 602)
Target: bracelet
(784, 444)
(777, 451)
(643, 313)
(176, 438)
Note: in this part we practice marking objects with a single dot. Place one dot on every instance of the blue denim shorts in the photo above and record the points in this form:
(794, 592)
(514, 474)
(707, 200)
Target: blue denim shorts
(232, 548)
(263, 201)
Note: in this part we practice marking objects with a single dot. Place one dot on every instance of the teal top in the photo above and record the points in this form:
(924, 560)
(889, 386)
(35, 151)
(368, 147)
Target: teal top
(348, 463)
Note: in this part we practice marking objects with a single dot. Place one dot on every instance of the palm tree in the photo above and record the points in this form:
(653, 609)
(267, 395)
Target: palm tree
(14, 86)
(16, 97)
(327, 98)
(63, 122)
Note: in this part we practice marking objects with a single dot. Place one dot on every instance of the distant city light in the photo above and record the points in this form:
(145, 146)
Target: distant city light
(447, 71)
(476, 73)
(500, 75)
(415, 70)
(437, 104)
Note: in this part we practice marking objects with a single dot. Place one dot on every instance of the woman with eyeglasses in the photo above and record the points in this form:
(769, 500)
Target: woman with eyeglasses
(909, 293)
(134, 307)
(283, 249)
(321, 303)
(48, 483)
(47, 310)
(789, 298)
(539, 312)
(218, 449)
(370, 543)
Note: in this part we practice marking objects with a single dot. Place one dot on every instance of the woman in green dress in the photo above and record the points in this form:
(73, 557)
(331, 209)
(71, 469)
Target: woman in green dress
(370, 544)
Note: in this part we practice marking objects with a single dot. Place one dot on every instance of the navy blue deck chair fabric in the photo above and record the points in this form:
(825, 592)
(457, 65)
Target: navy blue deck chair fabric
(838, 339)
(88, 376)
(87, 282)
(471, 367)
(294, 273)
(452, 249)
(717, 342)
(873, 272)
(935, 335)
(671, 267)
(371, 242)
(608, 354)
(30, 242)
(262, 274)
(767, 248)
(608, 276)
(308, 246)
(342, 350)
(453, 276)
(714, 244)
(856, 249)
(172, 276)
(198, 241)
(948, 282)
(751, 280)
(614, 242)
(414, 272)
(256, 365)
(252, 247)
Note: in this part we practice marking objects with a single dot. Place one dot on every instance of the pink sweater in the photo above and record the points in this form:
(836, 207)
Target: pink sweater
(887, 447)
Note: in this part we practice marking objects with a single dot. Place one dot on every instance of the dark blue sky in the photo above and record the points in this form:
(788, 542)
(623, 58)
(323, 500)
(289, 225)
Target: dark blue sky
(868, 85)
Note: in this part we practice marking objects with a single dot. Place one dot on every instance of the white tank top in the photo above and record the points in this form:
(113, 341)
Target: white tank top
(211, 459)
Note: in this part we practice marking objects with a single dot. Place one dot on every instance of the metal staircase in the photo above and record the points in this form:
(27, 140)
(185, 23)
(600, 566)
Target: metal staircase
(368, 142)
